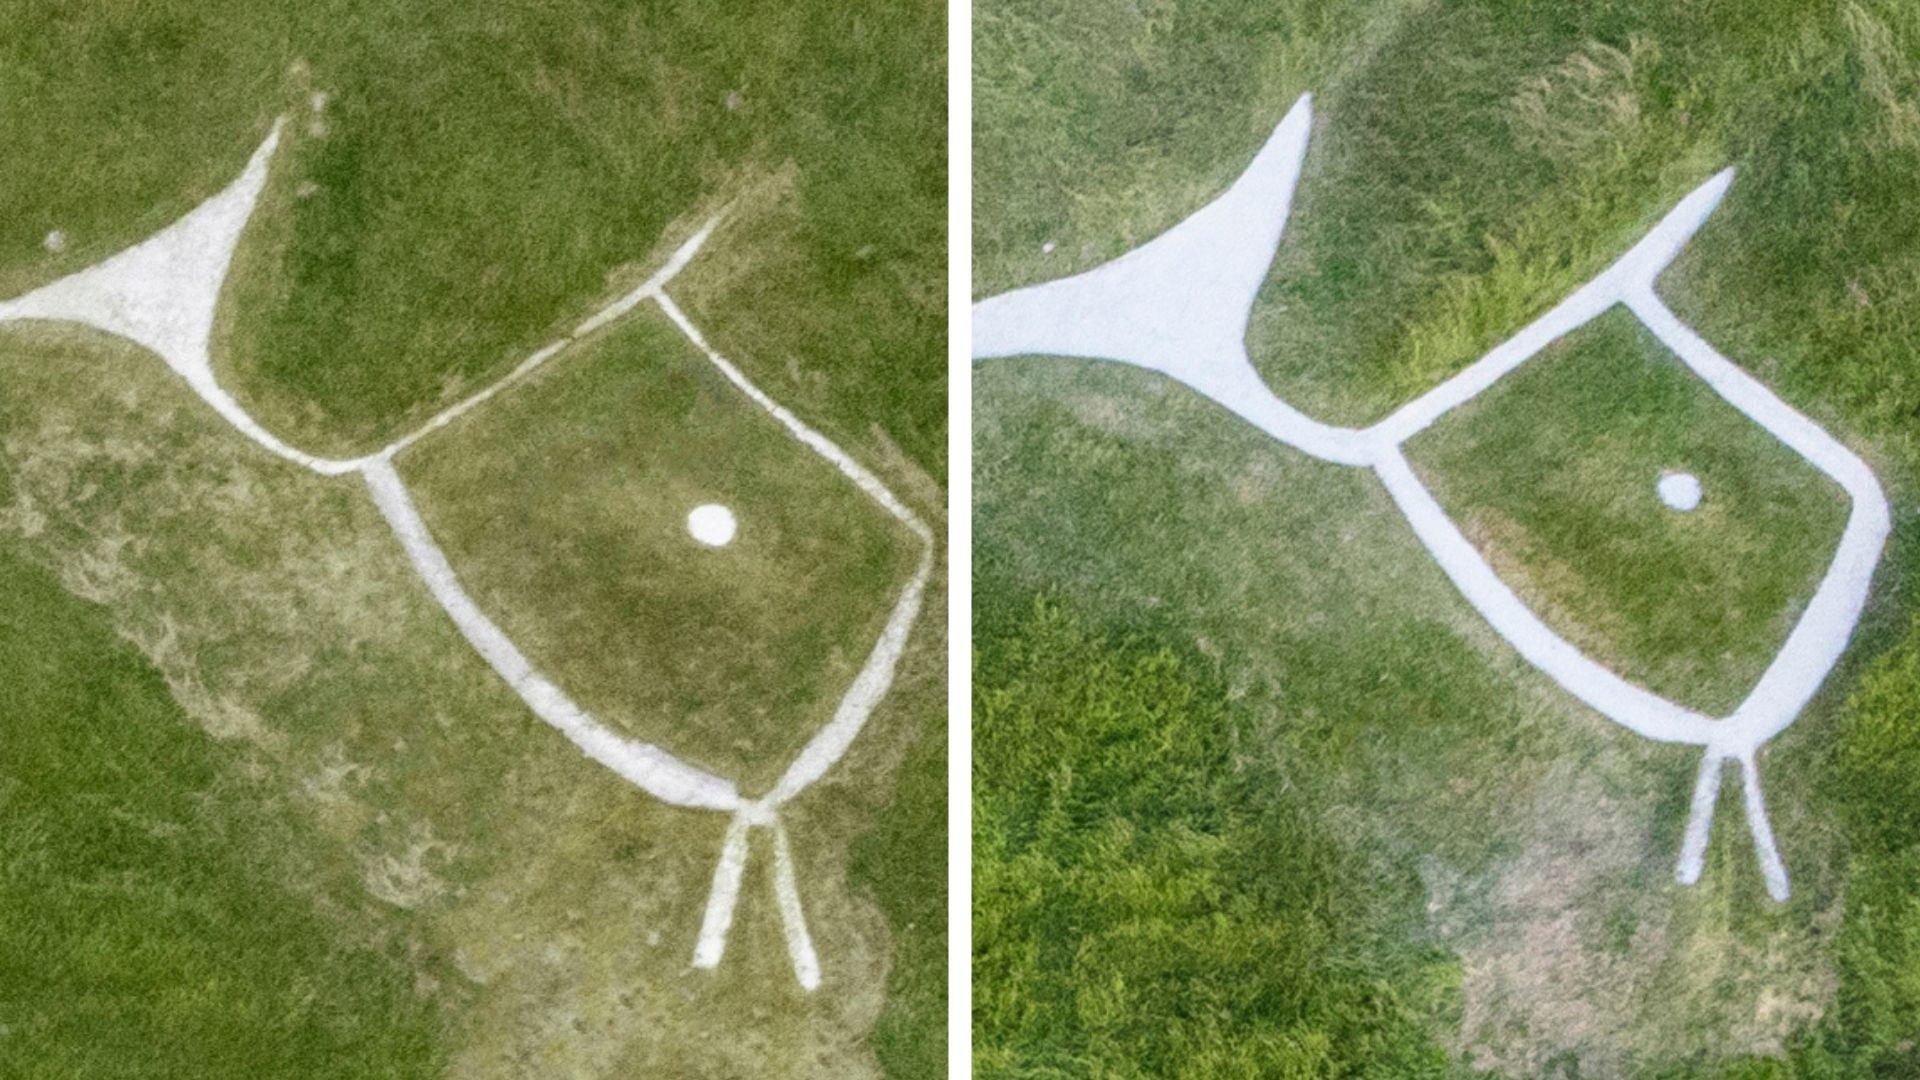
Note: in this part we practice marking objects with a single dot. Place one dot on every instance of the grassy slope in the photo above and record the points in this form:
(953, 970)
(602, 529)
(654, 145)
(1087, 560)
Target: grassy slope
(907, 876)
(150, 931)
(576, 536)
(1139, 912)
(472, 181)
(1472, 162)
(549, 908)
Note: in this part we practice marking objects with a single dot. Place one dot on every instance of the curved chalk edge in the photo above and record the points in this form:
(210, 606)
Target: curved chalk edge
(164, 295)
(1821, 635)
(1179, 304)
(870, 685)
(1643, 712)
(164, 292)
(1628, 275)
(647, 767)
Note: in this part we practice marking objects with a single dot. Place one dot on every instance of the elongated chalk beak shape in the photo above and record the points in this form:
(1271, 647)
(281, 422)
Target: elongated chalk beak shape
(1180, 305)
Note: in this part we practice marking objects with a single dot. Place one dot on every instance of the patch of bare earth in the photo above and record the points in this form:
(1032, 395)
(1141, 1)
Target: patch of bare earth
(548, 906)
(1580, 957)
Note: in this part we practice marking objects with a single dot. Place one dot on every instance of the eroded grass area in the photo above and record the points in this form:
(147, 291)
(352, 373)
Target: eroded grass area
(1487, 812)
(163, 915)
(1552, 473)
(455, 186)
(573, 536)
(547, 908)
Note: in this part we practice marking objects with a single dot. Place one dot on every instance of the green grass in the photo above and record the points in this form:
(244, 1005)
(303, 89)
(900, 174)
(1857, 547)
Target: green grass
(475, 182)
(1137, 914)
(1471, 163)
(906, 869)
(151, 929)
(574, 538)
(474, 179)
(1552, 474)
(546, 908)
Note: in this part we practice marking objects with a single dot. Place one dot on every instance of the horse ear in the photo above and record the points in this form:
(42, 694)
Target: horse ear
(1179, 304)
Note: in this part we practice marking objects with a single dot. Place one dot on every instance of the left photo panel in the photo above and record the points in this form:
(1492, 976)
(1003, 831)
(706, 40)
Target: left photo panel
(472, 539)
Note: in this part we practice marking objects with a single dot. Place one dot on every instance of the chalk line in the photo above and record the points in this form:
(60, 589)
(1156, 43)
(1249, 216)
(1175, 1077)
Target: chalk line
(1641, 711)
(1706, 796)
(1180, 303)
(647, 767)
(164, 294)
(723, 895)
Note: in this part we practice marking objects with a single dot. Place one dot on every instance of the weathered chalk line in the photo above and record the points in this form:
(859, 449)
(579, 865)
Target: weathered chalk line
(164, 293)
(1180, 303)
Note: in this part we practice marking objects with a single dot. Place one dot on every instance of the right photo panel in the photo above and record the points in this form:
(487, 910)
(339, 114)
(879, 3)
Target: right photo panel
(1444, 539)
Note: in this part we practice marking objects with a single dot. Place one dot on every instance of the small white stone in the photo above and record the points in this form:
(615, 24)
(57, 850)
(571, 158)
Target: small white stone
(55, 242)
(1680, 490)
(1047, 248)
(712, 525)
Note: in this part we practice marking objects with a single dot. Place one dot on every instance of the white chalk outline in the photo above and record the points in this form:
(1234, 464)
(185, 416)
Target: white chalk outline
(164, 293)
(1180, 303)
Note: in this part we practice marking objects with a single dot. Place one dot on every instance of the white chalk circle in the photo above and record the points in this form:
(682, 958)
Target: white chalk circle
(712, 525)
(1680, 491)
